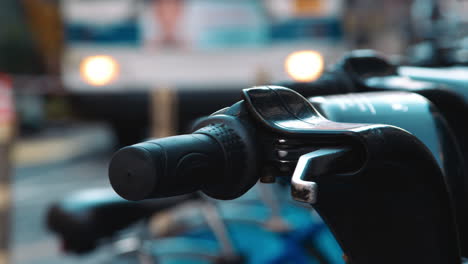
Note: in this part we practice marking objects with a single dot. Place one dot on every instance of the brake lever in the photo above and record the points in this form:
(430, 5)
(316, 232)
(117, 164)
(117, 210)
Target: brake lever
(310, 166)
(379, 185)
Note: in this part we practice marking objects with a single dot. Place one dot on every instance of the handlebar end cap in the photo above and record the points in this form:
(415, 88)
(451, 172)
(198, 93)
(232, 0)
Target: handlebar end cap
(133, 172)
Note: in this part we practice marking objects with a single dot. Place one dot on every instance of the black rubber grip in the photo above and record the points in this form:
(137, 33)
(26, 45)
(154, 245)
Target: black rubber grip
(166, 167)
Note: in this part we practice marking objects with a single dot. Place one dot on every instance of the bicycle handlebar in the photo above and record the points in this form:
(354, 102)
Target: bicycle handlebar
(165, 167)
(386, 172)
(212, 159)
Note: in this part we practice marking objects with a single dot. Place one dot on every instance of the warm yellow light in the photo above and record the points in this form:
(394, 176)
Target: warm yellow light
(304, 66)
(99, 70)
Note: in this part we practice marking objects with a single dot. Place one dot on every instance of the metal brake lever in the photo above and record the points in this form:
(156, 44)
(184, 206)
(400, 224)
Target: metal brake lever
(308, 167)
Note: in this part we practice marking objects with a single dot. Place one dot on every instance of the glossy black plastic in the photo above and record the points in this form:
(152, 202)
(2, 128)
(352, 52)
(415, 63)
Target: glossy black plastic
(394, 209)
(367, 71)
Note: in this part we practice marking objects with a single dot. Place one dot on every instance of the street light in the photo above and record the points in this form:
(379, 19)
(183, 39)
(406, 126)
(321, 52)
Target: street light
(99, 70)
(304, 66)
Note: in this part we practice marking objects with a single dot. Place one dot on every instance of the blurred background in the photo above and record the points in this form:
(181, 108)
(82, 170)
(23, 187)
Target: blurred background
(80, 78)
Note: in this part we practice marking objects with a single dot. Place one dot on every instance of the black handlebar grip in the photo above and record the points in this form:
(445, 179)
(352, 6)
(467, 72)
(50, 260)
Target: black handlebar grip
(166, 167)
(219, 159)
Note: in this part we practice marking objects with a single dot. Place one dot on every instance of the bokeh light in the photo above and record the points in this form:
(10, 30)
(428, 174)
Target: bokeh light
(304, 66)
(99, 70)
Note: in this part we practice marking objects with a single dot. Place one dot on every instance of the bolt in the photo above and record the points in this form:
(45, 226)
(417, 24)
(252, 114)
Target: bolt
(268, 179)
(268, 176)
